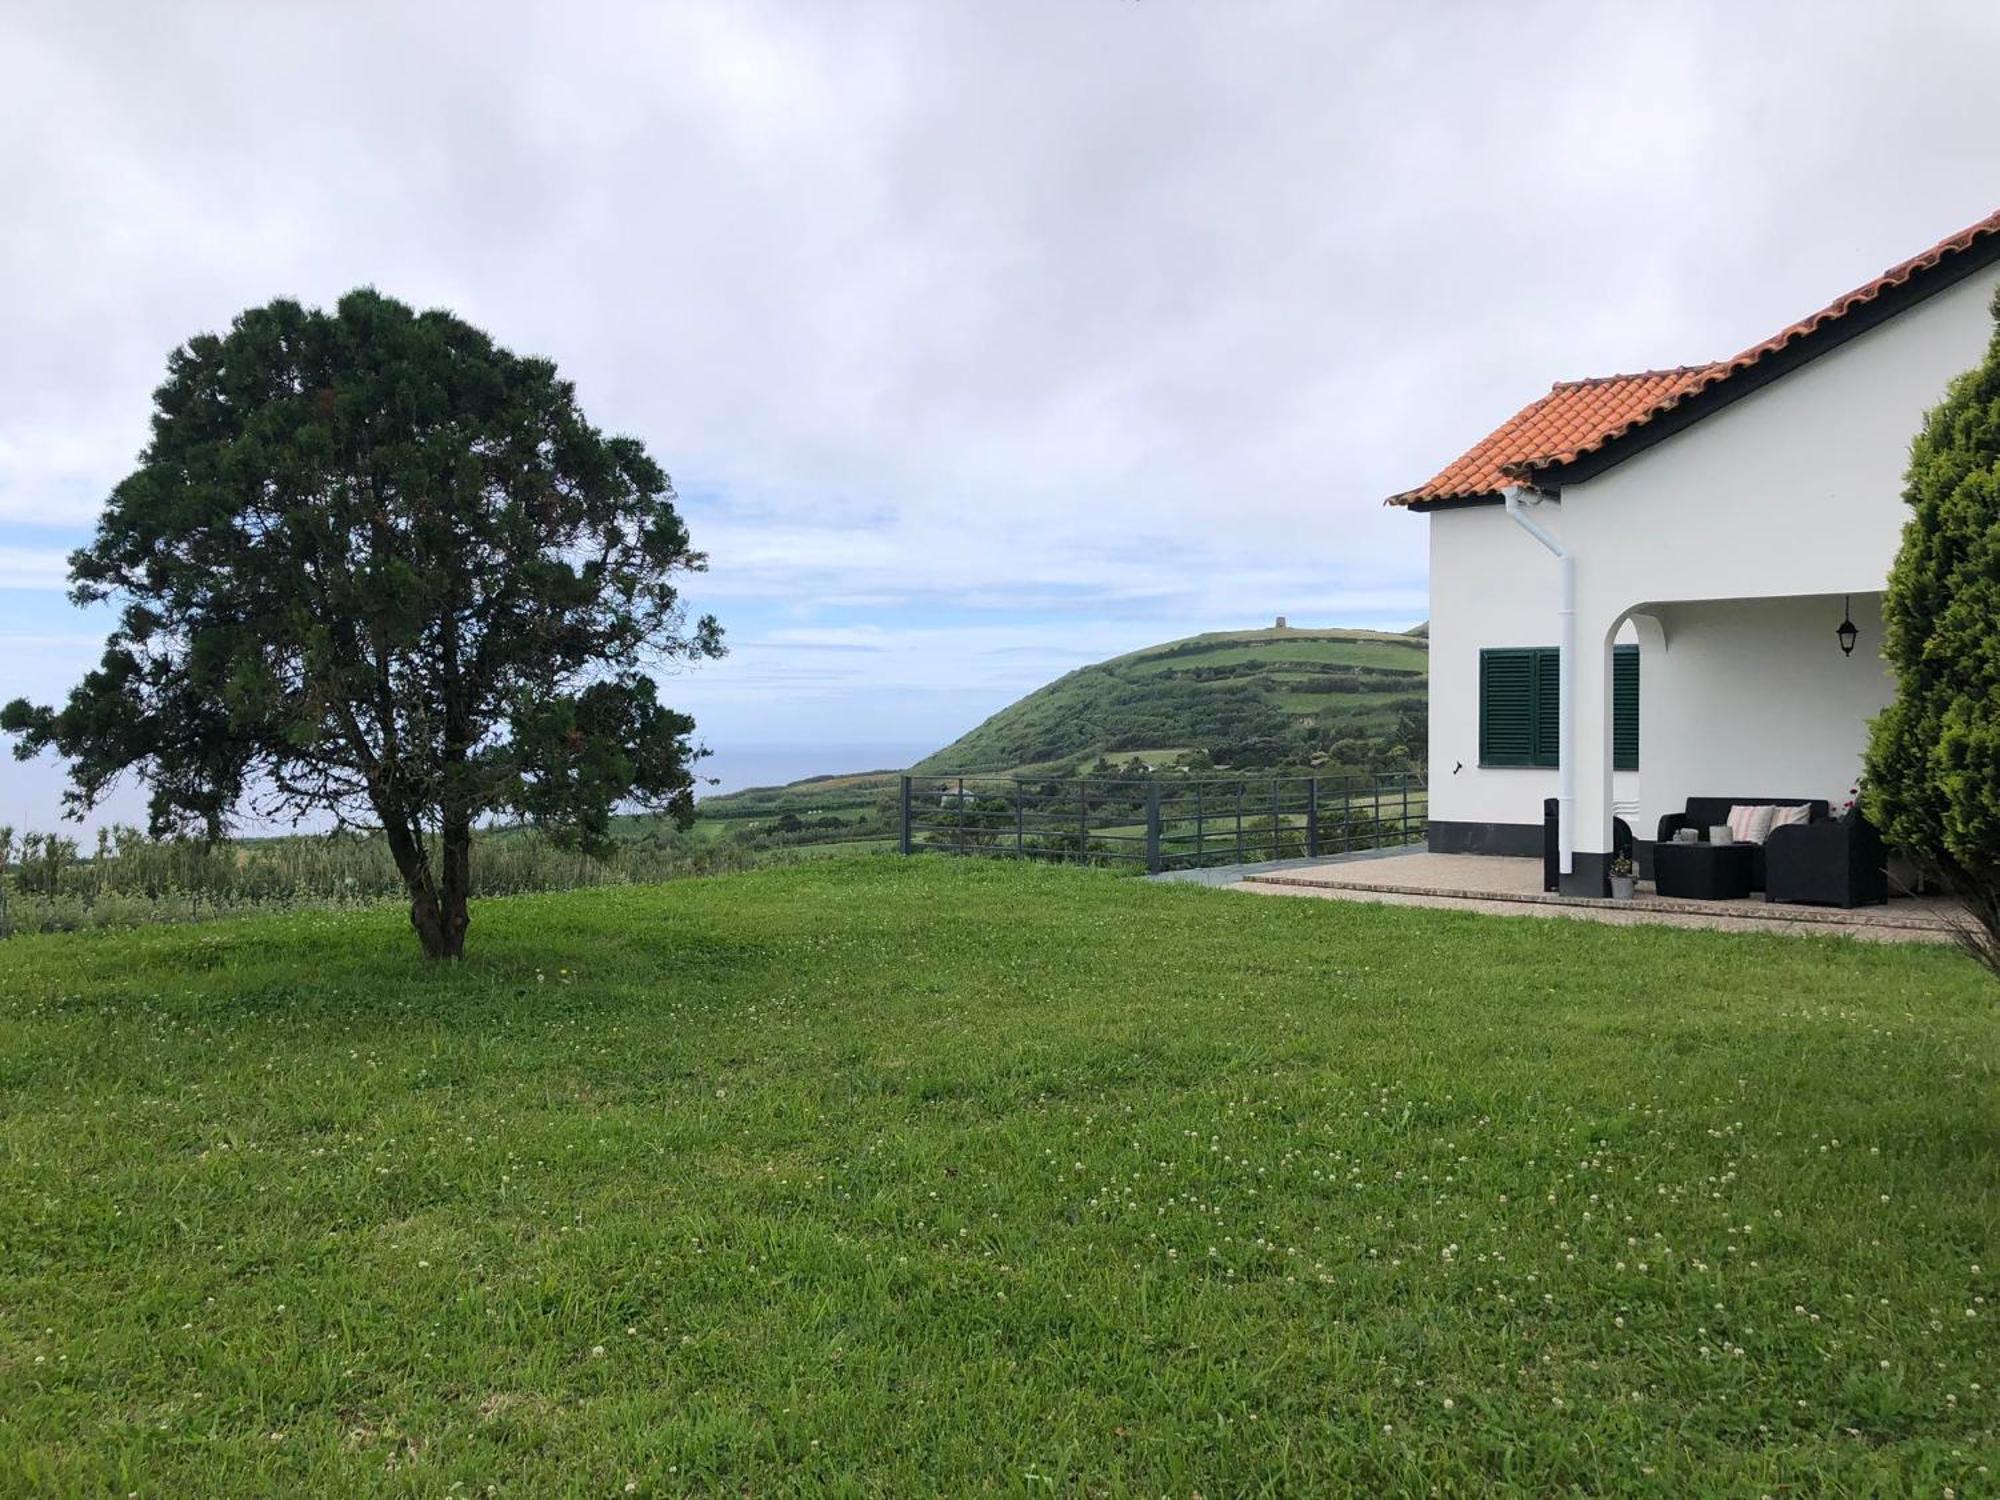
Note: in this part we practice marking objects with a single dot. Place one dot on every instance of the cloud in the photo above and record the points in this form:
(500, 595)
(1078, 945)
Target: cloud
(33, 568)
(1086, 319)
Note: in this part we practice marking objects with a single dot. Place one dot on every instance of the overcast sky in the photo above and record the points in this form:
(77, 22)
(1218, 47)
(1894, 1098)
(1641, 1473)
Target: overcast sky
(982, 337)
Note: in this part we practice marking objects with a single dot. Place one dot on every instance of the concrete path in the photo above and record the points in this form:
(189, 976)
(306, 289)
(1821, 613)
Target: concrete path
(1228, 875)
(1513, 887)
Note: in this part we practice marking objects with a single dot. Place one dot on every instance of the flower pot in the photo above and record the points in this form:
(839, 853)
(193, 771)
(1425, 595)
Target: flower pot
(1621, 887)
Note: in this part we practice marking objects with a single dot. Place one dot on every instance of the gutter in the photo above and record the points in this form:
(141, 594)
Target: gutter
(1517, 499)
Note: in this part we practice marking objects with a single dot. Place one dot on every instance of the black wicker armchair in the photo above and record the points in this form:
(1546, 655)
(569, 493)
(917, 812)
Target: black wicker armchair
(1834, 863)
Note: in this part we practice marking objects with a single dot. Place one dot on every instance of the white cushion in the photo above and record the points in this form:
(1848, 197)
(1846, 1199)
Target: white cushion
(1751, 824)
(1782, 816)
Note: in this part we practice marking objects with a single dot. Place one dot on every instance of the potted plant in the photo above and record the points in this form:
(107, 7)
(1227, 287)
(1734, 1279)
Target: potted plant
(1622, 876)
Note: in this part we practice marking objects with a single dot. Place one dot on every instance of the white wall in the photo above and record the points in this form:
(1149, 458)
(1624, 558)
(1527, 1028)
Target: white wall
(1793, 490)
(1501, 593)
(1751, 697)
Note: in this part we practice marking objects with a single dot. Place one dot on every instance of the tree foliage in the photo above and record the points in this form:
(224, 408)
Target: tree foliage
(1934, 755)
(372, 563)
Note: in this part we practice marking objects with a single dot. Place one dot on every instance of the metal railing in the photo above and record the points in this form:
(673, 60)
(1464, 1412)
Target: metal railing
(1169, 822)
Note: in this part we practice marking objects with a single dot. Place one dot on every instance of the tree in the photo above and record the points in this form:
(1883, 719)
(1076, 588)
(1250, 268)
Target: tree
(1933, 764)
(373, 564)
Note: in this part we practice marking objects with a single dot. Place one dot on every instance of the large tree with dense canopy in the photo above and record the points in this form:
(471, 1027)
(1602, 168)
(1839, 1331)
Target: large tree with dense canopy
(372, 564)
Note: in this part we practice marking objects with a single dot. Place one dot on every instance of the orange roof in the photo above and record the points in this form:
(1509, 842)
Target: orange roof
(1573, 413)
(1582, 416)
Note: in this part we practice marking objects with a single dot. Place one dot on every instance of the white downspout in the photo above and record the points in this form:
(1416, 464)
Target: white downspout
(1516, 497)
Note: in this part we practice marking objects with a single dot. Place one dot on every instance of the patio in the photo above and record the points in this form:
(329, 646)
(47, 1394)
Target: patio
(1513, 887)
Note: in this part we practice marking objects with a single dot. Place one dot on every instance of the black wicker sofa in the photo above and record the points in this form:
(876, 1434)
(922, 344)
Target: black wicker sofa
(1823, 861)
(1703, 813)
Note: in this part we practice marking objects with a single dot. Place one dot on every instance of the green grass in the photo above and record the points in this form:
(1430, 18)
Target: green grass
(1393, 653)
(1153, 697)
(929, 1177)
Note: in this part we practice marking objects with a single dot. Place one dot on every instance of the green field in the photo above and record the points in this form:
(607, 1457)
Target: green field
(1247, 697)
(912, 1177)
(1296, 700)
(1389, 653)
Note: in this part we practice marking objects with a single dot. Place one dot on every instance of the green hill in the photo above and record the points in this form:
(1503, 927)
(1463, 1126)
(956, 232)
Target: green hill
(1344, 700)
(1236, 698)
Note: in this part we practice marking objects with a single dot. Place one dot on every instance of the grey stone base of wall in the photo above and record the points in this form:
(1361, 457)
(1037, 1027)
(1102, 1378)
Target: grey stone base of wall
(1520, 840)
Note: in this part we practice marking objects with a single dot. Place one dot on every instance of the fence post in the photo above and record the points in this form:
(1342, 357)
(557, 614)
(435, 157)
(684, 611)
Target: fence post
(903, 820)
(1152, 828)
(1082, 821)
(1406, 808)
(1020, 823)
(1239, 822)
(1312, 816)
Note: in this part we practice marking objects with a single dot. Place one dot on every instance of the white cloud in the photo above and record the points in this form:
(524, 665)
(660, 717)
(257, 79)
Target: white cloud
(33, 568)
(1123, 314)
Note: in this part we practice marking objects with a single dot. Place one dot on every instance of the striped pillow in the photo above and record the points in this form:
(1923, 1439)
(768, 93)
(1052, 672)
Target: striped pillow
(1751, 825)
(1781, 816)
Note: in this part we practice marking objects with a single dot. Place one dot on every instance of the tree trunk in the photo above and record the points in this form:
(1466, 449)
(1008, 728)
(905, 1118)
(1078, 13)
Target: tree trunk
(454, 889)
(437, 907)
(440, 920)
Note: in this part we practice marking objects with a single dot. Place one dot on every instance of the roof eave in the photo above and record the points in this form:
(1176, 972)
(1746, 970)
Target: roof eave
(1423, 506)
(1808, 346)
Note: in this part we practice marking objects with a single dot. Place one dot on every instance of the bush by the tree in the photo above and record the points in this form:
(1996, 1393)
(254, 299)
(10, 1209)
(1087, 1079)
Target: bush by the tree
(1934, 755)
(373, 564)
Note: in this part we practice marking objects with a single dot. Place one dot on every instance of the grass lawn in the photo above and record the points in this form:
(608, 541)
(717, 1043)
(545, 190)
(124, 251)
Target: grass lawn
(930, 1177)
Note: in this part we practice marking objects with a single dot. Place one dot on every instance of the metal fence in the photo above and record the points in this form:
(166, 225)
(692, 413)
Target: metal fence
(1160, 822)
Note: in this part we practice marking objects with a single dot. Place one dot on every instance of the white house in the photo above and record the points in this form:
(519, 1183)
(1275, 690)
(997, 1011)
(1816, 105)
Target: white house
(1696, 536)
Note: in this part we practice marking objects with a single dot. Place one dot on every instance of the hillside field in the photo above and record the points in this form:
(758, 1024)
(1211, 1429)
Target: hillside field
(1243, 698)
(908, 1177)
(1248, 701)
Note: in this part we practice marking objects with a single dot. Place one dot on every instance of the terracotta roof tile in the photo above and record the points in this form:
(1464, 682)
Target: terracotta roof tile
(1572, 413)
(1581, 416)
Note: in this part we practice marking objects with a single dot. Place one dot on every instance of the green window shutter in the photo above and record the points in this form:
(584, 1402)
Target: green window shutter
(1548, 706)
(1625, 708)
(1520, 706)
(1507, 707)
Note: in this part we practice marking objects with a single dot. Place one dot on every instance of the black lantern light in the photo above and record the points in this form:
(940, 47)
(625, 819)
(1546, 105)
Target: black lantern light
(1847, 633)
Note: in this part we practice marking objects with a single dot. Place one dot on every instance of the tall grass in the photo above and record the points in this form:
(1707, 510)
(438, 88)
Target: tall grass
(51, 883)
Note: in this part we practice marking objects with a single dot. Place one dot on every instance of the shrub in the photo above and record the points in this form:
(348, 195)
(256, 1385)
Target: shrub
(1933, 782)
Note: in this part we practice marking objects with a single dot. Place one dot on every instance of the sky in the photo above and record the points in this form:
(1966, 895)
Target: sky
(982, 338)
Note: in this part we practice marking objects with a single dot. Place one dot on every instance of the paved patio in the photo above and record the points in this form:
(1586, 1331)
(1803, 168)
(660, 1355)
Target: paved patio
(1513, 887)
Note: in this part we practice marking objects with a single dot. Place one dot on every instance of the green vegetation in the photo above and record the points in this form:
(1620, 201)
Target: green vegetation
(49, 884)
(941, 1177)
(1934, 759)
(1198, 820)
(1274, 703)
(1342, 702)
(845, 813)
(371, 564)
(1349, 700)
